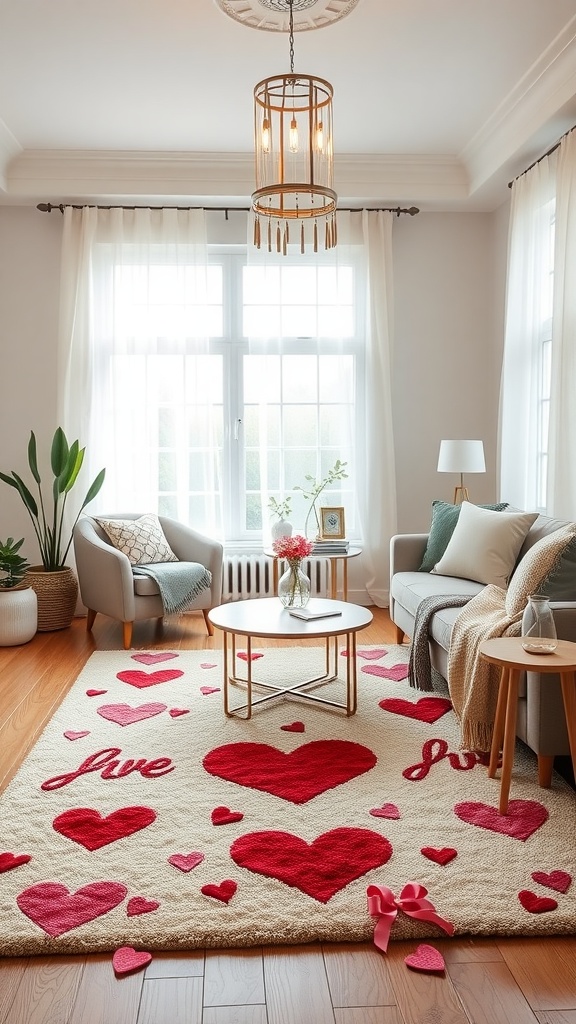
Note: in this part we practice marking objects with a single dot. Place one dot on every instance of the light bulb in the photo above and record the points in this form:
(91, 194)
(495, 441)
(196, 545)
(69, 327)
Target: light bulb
(293, 138)
(266, 135)
(320, 137)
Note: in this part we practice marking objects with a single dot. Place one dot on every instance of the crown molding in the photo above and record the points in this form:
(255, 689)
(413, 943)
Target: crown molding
(537, 111)
(9, 148)
(70, 175)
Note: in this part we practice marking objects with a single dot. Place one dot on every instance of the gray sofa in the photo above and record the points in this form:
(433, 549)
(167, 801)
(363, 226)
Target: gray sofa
(541, 721)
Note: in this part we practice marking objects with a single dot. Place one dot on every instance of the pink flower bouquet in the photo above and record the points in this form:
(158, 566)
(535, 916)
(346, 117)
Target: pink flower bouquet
(292, 548)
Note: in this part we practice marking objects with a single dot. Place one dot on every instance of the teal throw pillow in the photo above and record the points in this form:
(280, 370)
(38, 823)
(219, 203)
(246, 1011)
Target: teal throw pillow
(444, 519)
(560, 584)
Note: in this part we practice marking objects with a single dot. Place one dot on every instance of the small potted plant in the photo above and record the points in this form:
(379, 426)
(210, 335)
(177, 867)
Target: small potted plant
(18, 602)
(281, 510)
(55, 583)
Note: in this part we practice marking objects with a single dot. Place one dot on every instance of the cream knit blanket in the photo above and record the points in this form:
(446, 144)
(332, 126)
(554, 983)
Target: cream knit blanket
(472, 681)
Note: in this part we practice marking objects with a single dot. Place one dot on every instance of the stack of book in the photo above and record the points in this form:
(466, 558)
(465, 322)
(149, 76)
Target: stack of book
(330, 547)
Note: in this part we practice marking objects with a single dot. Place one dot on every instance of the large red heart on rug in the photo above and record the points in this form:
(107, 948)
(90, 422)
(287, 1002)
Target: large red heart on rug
(56, 910)
(136, 677)
(560, 881)
(426, 958)
(11, 860)
(297, 776)
(123, 714)
(86, 826)
(536, 904)
(395, 672)
(427, 709)
(522, 819)
(127, 959)
(153, 659)
(321, 868)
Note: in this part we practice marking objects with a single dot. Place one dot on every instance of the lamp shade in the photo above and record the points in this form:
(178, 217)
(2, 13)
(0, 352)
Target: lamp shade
(461, 457)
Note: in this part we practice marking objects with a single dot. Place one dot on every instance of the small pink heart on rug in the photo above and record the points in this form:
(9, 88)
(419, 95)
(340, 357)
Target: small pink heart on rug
(92, 830)
(208, 664)
(395, 672)
(71, 735)
(223, 892)
(126, 959)
(206, 690)
(253, 657)
(140, 905)
(224, 816)
(95, 693)
(136, 677)
(427, 709)
(536, 904)
(186, 861)
(371, 653)
(56, 910)
(176, 712)
(426, 958)
(523, 818)
(294, 727)
(153, 659)
(124, 714)
(11, 860)
(386, 811)
(441, 856)
(560, 881)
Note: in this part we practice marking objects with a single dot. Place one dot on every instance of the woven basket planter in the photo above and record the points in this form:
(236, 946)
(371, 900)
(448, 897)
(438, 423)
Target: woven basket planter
(57, 593)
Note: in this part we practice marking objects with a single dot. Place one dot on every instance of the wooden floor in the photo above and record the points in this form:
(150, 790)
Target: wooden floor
(486, 981)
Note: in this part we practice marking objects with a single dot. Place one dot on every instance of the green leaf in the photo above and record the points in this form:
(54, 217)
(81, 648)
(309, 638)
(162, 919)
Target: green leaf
(59, 452)
(94, 488)
(32, 458)
(26, 495)
(75, 460)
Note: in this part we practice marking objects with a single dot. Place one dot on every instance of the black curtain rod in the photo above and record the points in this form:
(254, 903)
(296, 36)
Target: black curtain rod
(543, 157)
(48, 207)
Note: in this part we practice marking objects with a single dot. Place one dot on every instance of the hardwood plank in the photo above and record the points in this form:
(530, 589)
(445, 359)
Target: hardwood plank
(556, 1017)
(296, 986)
(489, 993)
(47, 991)
(368, 1015)
(419, 996)
(545, 971)
(103, 998)
(176, 965)
(468, 950)
(12, 970)
(171, 1001)
(357, 975)
(235, 978)
(235, 1015)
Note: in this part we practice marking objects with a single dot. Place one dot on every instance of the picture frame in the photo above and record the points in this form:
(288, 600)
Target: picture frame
(332, 523)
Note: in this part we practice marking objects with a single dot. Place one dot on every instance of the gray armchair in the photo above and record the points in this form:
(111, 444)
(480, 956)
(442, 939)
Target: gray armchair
(108, 585)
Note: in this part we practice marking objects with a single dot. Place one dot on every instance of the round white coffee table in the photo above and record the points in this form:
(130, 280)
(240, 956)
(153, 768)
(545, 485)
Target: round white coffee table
(267, 618)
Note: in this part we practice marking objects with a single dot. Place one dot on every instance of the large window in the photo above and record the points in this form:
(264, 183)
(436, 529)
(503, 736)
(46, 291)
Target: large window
(245, 381)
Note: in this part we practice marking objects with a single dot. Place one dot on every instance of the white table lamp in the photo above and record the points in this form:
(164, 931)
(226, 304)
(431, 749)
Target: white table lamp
(461, 457)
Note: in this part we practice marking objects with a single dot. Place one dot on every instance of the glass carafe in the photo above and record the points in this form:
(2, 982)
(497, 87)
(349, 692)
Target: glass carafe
(538, 627)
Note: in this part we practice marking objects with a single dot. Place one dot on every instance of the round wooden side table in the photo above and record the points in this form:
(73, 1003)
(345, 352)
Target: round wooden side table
(510, 656)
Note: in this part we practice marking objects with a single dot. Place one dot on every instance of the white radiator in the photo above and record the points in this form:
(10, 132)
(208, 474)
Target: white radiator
(247, 576)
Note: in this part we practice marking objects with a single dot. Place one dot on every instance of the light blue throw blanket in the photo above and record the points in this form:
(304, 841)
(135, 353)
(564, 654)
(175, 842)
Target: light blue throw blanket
(179, 583)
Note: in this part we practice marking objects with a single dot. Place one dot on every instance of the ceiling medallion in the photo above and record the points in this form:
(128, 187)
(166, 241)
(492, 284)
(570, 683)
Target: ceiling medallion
(272, 15)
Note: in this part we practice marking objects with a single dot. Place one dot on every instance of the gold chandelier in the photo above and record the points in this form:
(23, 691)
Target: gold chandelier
(294, 159)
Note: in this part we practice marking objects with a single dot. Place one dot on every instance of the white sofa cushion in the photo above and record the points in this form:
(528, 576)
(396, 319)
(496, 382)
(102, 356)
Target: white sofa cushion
(485, 545)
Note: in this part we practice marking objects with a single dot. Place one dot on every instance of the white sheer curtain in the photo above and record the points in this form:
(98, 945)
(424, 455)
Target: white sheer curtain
(528, 311)
(134, 320)
(331, 379)
(561, 480)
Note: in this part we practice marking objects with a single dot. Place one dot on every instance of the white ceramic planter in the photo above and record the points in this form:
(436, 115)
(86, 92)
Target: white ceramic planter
(281, 528)
(18, 616)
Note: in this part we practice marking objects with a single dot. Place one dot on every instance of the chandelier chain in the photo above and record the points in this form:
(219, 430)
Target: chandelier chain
(291, 12)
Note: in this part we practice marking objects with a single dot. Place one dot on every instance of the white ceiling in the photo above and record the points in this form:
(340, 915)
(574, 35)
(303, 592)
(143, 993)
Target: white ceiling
(437, 103)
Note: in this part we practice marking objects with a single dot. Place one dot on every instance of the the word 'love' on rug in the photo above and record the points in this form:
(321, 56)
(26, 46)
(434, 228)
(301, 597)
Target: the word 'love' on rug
(144, 818)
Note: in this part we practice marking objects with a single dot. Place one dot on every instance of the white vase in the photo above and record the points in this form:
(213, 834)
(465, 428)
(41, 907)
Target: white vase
(18, 616)
(281, 528)
(294, 586)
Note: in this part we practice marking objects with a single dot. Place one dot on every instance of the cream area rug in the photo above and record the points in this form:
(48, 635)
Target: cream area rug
(144, 817)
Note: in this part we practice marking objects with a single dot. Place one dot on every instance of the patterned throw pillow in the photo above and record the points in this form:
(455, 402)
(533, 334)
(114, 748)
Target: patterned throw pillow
(539, 566)
(444, 519)
(142, 540)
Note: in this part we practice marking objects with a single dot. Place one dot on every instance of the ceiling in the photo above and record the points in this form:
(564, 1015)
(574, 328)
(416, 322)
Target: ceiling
(437, 103)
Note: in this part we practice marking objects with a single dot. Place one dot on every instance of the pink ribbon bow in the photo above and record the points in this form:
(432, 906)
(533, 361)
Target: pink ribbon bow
(383, 904)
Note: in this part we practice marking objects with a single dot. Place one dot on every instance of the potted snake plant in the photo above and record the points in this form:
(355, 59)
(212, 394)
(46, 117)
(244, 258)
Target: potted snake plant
(18, 602)
(54, 582)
